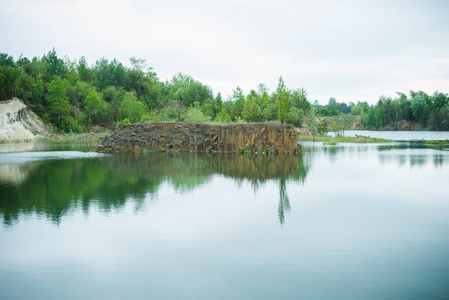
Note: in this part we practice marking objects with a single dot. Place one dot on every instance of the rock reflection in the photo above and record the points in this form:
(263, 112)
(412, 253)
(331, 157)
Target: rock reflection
(16, 173)
(55, 188)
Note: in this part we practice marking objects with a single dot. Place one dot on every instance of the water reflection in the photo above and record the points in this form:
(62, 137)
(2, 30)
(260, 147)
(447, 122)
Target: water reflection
(48, 146)
(284, 202)
(54, 188)
(414, 154)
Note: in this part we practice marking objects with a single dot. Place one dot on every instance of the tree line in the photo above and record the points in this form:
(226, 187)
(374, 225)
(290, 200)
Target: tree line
(75, 96)
(429, 112)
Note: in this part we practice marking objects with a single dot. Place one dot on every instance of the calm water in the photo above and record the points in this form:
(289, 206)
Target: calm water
(399, 135)
(337, 222)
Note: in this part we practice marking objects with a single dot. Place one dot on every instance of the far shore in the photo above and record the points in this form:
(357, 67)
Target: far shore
(305, 136)
(342, 139)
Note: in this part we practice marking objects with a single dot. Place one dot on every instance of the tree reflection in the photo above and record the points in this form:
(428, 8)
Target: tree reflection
(284, 202)
(54, 188)
(417, 155)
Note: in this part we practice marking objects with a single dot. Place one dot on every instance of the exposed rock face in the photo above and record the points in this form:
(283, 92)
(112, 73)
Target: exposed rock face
(402, 125)
(17, 122)
(268, 138)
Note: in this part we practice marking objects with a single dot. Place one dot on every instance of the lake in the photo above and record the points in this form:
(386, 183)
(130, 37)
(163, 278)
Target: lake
(398, 135)
(349, 221)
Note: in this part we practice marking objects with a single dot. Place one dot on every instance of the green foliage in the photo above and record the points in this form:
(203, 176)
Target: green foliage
(173, 111)
(337, 128)
(195, 115)
(109, 73)
(72, 95)
(299, 100)
(57, 100)
(84, 72)
(282, 100)
(131, 108)
(238, 103)
(185, 88)
(95, 107)
(330, 140)
(417, 105)
(295, 116)
(37, 92)
(240, 120)
(53, 65)
(270, 110)
(323, 126)
(124, 121)
(251, 111)
(223, 116)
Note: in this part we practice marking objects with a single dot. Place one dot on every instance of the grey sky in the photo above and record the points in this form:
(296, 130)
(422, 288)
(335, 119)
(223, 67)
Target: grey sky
(350, 50)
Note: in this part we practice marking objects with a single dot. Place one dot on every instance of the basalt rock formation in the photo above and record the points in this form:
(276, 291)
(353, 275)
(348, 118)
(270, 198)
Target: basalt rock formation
(253, 138)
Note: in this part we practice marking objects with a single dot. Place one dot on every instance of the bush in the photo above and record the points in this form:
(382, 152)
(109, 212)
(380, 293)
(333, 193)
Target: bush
(124, 121)
(195, 115)
(322, 126)
(223, 116)
(294, 116)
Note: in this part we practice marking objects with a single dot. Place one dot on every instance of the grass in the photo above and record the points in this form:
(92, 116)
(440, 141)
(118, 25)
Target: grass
(329, 140)
(3, 141)
(436, 142)
(74, 137)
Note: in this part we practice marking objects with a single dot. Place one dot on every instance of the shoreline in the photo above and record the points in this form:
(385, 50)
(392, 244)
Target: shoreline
(334, 140)
(96, 137)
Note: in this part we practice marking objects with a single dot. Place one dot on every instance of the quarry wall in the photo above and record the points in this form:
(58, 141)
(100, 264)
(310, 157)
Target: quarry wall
(230, 138)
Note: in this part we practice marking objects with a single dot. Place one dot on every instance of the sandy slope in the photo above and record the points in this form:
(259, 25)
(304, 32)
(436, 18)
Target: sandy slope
(17, 122)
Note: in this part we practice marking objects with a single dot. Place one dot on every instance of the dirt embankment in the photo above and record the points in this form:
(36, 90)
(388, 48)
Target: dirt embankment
(254, 138)
(17, 122)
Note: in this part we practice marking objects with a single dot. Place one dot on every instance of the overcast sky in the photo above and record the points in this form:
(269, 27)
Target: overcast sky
(350, 50)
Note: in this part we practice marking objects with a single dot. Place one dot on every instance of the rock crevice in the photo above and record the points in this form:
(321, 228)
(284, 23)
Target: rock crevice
(255, 138)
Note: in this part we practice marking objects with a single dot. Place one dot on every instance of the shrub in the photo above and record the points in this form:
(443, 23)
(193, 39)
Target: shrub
(294, 116)
(195, 115)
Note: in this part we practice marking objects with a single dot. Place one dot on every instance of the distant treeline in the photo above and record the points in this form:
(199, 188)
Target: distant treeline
(430, 112)
(75, 96)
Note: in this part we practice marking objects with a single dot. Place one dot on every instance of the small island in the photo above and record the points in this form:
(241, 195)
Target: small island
(265, 138)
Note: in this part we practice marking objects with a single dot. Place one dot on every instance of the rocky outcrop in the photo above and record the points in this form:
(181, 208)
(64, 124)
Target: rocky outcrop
(252, 138)
(17, 122)
(402, 125)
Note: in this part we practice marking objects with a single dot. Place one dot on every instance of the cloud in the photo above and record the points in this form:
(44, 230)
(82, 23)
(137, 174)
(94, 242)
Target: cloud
(351, 50)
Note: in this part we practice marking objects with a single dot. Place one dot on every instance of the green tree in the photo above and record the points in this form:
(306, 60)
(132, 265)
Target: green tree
(251, 111)
(295, 116)
(109, 73)
(195, 115)
(54, 65)
(299, 100)
(8, 76)
(95, 107)
(131, 108)
(58, 103)
(84, 72)
(223, 116)
(417, 106)
(283, 100)
(239, 102)
(323, 126)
